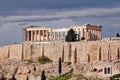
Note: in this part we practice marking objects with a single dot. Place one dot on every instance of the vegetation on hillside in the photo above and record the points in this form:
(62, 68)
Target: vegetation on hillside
(63, 77)
(115, 76)
(44, 59)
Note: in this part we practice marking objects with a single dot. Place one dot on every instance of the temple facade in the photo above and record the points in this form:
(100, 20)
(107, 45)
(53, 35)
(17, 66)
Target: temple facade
(39, 33)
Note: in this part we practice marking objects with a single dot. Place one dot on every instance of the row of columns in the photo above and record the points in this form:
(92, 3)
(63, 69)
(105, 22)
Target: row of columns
(36, 35)
(93, 34)
(43, 35)
(59, 35)
(89, 34)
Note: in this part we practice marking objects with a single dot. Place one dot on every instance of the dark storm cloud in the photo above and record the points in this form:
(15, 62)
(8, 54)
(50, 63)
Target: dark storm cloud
(10, 7)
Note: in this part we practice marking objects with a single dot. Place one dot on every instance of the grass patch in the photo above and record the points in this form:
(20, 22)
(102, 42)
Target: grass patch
(82, 69)
(82, 77)
(30, 61)
(117, 61)
(115, 76)
(64, 77)
(44, 59)
(68, 63)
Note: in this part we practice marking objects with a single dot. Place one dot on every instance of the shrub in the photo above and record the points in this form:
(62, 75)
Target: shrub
(30, 61)
(68, 63)
(64, 77)
(115, 76)
(117, 35)
(44, 59)
(82, 68)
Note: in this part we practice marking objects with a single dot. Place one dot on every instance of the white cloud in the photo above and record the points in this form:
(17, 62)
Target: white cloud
(55, 23)
(7, 26)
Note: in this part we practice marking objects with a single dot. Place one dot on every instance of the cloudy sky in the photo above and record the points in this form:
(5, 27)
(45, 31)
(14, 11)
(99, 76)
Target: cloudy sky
(14, 14)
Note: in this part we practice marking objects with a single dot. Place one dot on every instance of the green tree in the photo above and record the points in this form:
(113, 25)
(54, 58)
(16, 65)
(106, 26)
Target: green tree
(117, 35)
(60, 66)
(43, 77)
(71, 36)
(114, 76)
(13, 78)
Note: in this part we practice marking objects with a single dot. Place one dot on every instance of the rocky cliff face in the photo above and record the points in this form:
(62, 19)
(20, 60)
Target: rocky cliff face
(14, 59)
(23, 70)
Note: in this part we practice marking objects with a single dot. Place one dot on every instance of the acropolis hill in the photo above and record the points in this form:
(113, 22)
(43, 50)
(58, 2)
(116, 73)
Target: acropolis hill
(50, 42)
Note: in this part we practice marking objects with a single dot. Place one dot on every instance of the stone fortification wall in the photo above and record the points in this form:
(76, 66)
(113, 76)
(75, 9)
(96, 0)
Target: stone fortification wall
(4, 52)
(75, 52)
(15, 51)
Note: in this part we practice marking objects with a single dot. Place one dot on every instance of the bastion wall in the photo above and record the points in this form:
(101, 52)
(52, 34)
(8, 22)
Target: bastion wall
(75, 52)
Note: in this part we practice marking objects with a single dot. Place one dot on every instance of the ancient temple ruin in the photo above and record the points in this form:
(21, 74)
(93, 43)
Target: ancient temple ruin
(40, 33)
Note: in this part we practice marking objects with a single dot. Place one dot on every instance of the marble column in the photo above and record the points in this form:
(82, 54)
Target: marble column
(63, 35)
(54, 34)
(82, 35)
(31, 35)
(43, 34)
(27, 35)
(47, 35)
(39, 35)
(90, 34)
(100, 35)
(51, 35)
(86, 34)
(79, 33)
(35, 36)
(58, 35)
(97, 35)
(93, 34)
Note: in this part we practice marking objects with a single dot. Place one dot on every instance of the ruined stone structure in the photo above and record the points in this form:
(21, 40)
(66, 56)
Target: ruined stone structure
(51, 44)
(37, 33)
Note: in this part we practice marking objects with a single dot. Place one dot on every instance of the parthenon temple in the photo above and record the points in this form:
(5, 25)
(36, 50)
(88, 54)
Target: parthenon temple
(39, 33)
